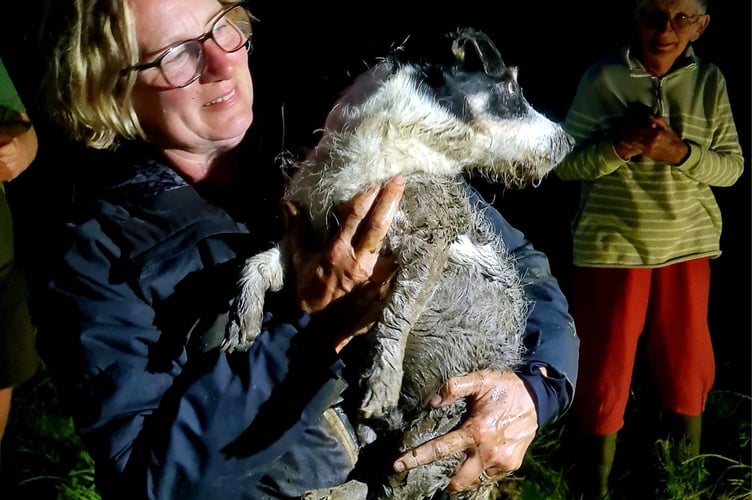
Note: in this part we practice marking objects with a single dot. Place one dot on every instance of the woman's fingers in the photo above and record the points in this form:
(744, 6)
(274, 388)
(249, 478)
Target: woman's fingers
(365, 224)
(352, 257)
(354, 212)
(495, 435)
(376, 225)
(440, 447)
(460, 387)
(365, 220)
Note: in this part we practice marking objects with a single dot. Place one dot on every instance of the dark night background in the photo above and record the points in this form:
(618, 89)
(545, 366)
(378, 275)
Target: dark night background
(305, 54)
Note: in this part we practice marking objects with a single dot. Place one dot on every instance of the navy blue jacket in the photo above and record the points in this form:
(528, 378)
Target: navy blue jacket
(133, 314)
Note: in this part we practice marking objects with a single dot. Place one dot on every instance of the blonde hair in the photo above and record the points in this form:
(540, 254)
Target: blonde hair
(87, 92)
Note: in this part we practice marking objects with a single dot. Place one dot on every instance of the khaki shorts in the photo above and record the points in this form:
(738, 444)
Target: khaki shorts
(18, 357)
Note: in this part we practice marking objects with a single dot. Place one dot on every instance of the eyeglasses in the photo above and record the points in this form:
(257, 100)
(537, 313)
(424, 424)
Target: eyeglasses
(656, 19)
(183, 63)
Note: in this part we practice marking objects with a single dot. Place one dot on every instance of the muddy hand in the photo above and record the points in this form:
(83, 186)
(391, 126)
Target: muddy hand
(495, 437)
(344, 284)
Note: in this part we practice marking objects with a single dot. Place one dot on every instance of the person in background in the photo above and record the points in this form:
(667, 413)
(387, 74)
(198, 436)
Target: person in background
(137, 305)
(18, 148)
(655, 136)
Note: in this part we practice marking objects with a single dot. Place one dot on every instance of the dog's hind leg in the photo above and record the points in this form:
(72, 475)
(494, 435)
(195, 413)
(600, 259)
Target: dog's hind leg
(382, 378)
(432, 209)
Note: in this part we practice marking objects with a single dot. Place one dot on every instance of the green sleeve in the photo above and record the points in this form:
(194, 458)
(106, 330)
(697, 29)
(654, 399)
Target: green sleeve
(10, 102)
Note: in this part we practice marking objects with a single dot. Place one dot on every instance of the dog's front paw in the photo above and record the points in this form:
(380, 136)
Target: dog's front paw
(381, 383)
(366, 434)
(351, 490)
(246, 315)
(261, 273)
(241, 332)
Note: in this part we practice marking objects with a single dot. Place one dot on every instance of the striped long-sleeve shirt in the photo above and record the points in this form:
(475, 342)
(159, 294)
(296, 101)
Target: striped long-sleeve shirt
(640, 212)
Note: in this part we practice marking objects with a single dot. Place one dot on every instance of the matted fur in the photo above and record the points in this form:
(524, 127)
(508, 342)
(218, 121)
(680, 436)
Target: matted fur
(457, 304)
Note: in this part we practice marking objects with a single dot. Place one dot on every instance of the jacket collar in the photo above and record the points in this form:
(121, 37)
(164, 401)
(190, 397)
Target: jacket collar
(687, 60)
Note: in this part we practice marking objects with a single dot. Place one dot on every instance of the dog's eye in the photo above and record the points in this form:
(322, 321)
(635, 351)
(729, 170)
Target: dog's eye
(510, 88)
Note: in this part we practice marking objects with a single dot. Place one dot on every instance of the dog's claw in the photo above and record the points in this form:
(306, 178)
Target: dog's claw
(366, 434)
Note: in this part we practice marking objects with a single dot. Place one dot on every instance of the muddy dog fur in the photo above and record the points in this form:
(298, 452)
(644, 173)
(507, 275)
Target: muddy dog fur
(456, 304)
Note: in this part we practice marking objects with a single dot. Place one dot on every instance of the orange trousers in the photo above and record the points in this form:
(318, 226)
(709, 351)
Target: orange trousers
(612, 308)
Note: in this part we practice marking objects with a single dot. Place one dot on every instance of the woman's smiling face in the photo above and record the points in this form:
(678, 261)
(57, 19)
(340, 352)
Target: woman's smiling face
(212, 112)
(665, 28)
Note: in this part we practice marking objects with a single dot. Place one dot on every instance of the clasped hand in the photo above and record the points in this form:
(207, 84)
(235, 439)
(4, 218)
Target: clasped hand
(642, 132)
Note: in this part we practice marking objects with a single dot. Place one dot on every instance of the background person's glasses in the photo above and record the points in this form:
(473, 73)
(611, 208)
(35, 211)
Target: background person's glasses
(656, 19)
(183, 63)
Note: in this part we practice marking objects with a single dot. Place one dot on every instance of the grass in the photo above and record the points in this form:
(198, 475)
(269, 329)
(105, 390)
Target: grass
(648, 467)
(43, 458)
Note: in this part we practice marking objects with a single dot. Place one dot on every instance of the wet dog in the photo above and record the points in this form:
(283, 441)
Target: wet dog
(456, 303)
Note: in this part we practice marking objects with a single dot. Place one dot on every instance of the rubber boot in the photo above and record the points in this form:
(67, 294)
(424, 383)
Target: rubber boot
(685, 432)
(594, 463)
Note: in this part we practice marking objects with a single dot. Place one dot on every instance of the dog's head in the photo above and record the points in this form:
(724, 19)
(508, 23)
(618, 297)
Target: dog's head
(461, 111)
(481, 91)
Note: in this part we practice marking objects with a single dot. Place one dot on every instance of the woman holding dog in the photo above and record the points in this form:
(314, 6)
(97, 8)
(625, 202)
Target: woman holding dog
(647, 227)
(139, 300)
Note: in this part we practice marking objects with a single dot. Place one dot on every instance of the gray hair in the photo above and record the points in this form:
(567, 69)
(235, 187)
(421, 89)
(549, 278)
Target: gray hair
(702, 4)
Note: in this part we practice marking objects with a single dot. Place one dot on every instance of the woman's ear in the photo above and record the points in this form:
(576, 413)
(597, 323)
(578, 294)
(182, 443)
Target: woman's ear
(700, 26)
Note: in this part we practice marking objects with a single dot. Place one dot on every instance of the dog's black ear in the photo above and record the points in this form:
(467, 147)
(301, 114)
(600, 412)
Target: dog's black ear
(475, 51)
